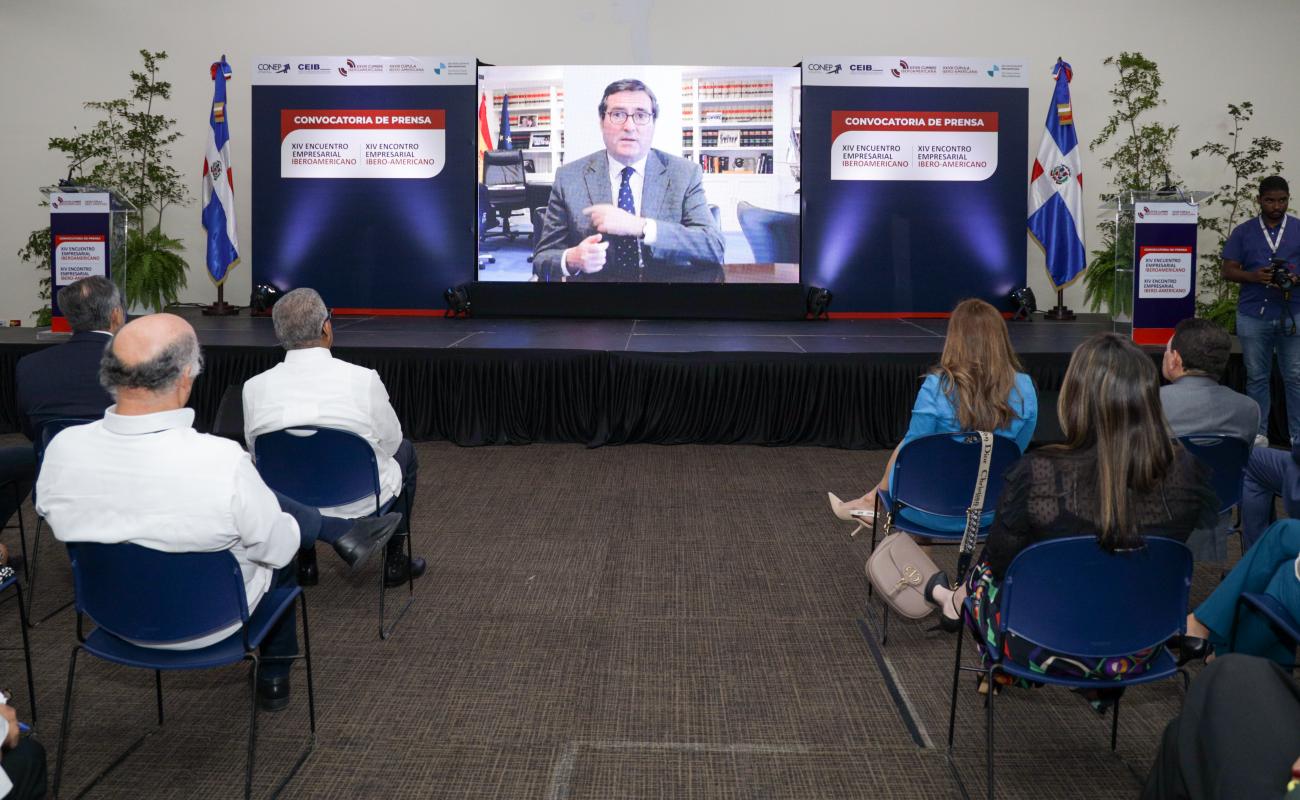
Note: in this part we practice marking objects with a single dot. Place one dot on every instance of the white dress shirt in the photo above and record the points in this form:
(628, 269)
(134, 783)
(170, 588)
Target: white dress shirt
(635, 182)
(6, 785)
(154, 481)
(311, 387)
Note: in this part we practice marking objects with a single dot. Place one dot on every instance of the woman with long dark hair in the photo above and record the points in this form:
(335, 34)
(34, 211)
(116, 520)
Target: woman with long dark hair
(1119, 476)
(977, 386)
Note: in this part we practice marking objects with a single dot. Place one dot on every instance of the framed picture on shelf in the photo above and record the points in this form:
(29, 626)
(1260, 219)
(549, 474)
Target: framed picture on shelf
(729, 138)
(528, 120)
(538, 141)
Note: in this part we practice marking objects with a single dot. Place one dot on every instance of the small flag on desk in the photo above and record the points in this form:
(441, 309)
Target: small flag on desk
(503, 133)
(484, 133)
(219, 183)
(1056, 188)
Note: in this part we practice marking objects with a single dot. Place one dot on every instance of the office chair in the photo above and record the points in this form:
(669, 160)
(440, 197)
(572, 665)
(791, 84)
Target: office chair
(505, 181)
(773, 236)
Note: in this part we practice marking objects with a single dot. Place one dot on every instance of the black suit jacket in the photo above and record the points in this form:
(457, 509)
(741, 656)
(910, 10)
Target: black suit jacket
(62, 381)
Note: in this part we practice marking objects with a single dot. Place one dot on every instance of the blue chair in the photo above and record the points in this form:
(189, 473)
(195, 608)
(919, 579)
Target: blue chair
(48, 431)
(1070, 596)
(936, 474)
(1226, 456)
(773, 236)
(325, 467)
(1277, 615)
(12, 584)
(136, 595)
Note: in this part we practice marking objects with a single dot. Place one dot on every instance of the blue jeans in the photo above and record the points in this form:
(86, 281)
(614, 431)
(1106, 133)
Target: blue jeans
(1260, 338)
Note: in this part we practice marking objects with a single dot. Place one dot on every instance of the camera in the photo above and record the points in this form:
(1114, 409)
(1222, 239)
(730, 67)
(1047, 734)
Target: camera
(1283, 278)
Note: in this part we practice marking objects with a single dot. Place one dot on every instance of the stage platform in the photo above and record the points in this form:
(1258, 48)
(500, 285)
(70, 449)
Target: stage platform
(842, 382)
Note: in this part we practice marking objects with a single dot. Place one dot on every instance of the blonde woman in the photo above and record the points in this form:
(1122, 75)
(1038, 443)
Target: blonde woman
(977, 386)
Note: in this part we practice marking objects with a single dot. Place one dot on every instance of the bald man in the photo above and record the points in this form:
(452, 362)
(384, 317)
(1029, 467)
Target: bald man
(142, 474)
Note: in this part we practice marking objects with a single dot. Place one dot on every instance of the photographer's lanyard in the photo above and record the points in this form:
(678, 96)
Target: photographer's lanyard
(1273, 244)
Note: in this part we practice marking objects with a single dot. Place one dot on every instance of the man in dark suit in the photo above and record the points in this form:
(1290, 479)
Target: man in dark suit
(629, 213)
(1194, 401)
(61, 381)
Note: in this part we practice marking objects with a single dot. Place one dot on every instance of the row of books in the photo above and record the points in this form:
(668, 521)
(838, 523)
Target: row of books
(728, 89)
(527, 97)
(733, 114)
(745, 137)
(737, 165)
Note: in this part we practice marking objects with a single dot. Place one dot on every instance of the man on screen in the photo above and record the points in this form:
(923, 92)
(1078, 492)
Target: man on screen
(629, 213)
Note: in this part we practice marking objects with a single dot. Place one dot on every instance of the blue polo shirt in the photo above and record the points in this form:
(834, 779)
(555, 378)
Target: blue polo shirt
(1248, 247)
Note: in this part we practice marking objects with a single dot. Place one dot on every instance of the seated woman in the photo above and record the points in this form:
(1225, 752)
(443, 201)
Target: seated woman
(1272, 567)
(977, 386)
(1119, 476)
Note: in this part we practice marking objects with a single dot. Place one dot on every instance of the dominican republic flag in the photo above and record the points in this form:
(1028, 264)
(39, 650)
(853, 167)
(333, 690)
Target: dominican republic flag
(219, 184)
(503, 132)
(1056, 188)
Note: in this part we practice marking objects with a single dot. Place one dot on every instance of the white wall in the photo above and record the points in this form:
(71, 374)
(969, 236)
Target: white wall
(59, 53)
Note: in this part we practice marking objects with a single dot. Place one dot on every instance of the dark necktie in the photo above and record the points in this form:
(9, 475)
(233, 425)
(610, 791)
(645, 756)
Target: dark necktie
(622, 249)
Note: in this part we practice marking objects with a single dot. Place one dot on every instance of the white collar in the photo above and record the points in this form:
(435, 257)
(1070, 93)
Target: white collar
(156, 422)
(307, 354)
(616, 166)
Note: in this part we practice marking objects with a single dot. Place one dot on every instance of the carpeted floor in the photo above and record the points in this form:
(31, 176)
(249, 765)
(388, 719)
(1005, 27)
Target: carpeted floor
(624, 622)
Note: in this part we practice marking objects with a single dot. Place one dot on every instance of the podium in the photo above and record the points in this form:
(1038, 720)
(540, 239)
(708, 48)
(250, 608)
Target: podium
(88, 236)
(1154, 241)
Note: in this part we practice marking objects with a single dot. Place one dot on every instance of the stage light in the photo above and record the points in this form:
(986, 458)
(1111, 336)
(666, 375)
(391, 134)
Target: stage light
(818, 302)
(457, 299)
(1024, 303)
(263, 297)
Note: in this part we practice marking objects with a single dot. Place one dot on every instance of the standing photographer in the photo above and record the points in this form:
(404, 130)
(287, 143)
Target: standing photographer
(1262, 255)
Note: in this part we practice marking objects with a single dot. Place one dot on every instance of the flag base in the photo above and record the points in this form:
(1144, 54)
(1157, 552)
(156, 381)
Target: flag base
(220, 309)
(1060, 312)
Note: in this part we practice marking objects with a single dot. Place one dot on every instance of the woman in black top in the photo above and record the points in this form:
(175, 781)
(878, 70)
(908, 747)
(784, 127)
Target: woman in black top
(1119, 476)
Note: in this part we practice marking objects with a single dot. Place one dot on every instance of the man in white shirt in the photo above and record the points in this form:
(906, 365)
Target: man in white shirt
(311, 387)
(142, 474)
(22, 763)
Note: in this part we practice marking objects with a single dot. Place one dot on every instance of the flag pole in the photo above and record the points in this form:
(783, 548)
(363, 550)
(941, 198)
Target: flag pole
(1060, 312)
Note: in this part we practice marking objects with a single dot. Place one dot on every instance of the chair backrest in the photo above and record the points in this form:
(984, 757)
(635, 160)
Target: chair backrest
(1226, 456)
(503, 167)
(318, 466)
(936, 473)
(1071, 596)
(773, 236)
(53, 428)
(149, 596)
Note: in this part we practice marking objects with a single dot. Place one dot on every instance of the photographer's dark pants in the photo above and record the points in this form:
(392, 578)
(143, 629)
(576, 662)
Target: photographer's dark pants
(1260, 339)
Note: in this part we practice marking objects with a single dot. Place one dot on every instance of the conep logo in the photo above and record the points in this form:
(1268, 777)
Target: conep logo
(828, 69)
(278, 69)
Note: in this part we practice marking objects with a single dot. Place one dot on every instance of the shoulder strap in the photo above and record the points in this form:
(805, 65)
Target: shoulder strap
(976, 510)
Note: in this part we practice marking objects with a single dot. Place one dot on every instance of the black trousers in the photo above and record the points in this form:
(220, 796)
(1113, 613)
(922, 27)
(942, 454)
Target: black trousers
(25, 766)
(17, 472)
(1237, 736)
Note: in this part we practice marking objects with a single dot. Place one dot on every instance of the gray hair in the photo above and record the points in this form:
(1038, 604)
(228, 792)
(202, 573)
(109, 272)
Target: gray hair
(158, 374)
(629, 85)
(299, 319)
(88, 304)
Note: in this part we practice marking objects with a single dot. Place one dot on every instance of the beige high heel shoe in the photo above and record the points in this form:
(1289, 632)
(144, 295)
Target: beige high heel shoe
(865, 517)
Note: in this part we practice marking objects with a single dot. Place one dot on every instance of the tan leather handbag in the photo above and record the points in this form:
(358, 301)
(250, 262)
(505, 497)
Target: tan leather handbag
(899, 569)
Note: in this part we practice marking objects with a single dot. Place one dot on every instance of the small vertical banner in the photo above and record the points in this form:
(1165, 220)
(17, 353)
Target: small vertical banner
(219, 183)
(1164, 269)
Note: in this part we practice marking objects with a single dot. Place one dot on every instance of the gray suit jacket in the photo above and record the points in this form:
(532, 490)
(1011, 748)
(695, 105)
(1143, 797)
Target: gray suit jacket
(688, 244)
(1199, 404)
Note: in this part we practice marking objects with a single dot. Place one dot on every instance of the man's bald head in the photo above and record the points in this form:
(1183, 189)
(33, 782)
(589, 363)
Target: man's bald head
(152, 355)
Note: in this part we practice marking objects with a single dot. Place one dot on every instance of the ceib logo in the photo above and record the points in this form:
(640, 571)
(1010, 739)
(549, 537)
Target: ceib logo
(993, 71)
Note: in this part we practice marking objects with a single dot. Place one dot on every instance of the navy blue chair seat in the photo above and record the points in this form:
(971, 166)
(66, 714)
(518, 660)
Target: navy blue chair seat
(327, 467)
(936, 474)
(1070, 596)
(138, 597)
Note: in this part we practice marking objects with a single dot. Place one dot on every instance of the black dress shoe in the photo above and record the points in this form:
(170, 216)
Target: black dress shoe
(273, 693)
(401, 569)
(946, 623)
(308, 572)
(1192, 648)
(365, 537)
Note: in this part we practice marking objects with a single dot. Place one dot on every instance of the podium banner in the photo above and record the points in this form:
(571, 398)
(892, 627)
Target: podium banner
(1164, 269)
(80, 223)
(913, 173)
(363, 169)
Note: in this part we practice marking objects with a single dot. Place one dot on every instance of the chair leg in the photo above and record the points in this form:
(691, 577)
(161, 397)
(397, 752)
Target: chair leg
(31, 572)
(884, 627)
(22, 536)
(386, 630)
(157, 680)
(252, 728)
(1114, 725)
(27, 650)
(988, 729)
(1236, 623)
(956, 674)
(306, 649)
(67, 721)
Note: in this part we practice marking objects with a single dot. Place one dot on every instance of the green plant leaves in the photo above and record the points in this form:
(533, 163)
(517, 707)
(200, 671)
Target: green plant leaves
(154, 271)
